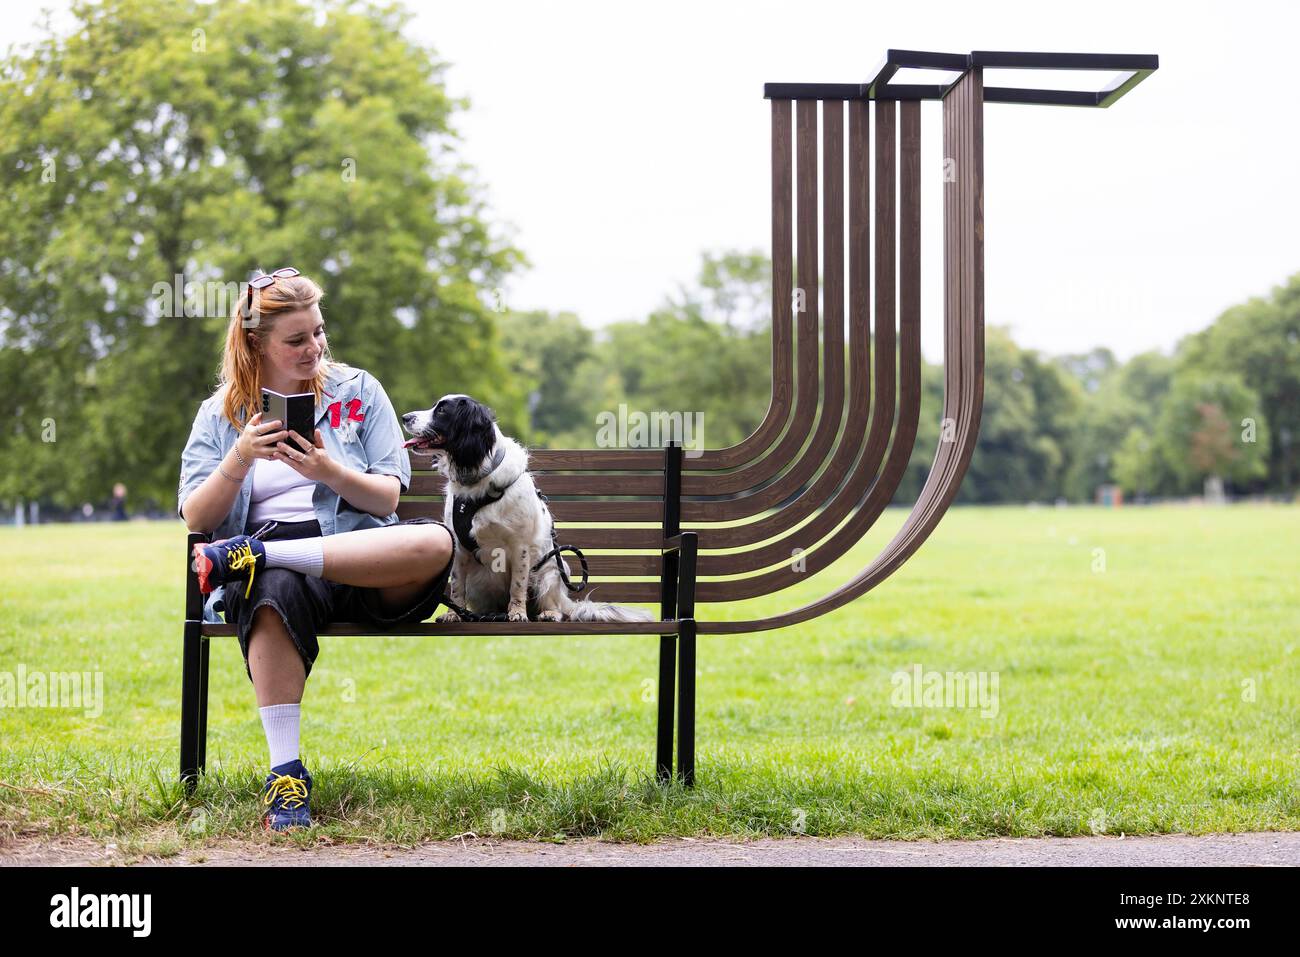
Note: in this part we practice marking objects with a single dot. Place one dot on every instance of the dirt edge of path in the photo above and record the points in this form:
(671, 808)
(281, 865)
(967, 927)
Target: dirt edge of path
(1270, 848)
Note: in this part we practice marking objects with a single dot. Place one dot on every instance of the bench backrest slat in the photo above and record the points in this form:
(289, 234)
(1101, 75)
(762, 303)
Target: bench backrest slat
(795, 505)
(964, 356)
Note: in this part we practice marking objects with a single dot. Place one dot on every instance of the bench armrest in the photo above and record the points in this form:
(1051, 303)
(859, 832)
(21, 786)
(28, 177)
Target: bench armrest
(677, 577)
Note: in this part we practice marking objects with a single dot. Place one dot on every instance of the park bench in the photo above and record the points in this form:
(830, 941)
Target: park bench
(795, 495)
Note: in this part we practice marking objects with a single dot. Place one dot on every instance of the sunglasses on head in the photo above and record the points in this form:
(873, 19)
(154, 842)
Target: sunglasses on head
(261, 282)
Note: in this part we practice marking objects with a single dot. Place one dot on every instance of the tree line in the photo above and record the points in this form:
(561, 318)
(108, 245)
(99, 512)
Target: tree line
(1220, 406)
(157, 151)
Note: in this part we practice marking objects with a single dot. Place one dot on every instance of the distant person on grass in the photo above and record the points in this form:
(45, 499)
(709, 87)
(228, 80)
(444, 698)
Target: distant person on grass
(305, 526)
(118, 503)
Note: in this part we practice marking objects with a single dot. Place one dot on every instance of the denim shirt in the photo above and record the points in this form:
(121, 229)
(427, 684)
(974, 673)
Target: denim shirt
(358, 428)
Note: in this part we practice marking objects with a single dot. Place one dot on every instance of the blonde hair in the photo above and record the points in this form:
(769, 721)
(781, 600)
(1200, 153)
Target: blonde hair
(241, 364)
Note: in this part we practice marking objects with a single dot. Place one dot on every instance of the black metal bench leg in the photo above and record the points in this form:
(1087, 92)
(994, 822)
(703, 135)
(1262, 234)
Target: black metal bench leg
(667, 679)
(668, 587)
(686, 703)
(667, 671)
(194, 677)
(686, 659)
(193, 704)
(205, 649)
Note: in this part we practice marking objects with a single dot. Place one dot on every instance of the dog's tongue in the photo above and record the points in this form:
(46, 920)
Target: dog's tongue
(410, 442)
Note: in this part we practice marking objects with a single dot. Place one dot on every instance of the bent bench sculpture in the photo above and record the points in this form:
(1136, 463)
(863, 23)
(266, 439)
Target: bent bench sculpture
(825, 461)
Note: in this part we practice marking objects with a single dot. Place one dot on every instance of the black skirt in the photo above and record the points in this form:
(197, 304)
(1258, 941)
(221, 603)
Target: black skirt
(306, 604)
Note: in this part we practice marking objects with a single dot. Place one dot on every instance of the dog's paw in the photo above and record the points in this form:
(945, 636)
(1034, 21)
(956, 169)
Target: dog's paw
(450, 618)
(553, 615)
(517, 613)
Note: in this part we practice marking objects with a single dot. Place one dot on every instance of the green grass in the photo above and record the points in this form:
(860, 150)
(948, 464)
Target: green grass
(1156, 695)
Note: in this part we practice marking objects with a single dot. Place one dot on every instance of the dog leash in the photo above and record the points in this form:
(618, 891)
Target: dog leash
(466, 615)
(556, 551)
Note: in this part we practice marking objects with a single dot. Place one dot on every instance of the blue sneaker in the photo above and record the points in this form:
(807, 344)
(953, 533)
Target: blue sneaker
(286, 795)
(231, 559)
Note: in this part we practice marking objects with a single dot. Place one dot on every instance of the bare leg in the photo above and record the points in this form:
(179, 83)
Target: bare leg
(404, 558)
(278, 672)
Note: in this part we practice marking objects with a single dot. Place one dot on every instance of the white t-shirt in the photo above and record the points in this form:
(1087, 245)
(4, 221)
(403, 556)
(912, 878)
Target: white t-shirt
(280, 494)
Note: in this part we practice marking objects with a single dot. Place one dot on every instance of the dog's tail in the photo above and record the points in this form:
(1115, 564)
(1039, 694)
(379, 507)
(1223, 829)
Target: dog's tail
(588, 610)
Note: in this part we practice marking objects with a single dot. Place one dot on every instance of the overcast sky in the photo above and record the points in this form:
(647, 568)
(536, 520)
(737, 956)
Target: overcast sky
(617, 142)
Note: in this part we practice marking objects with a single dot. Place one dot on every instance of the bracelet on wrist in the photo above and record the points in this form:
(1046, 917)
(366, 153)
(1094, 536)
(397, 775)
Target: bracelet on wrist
(229, 477)
(239, 457)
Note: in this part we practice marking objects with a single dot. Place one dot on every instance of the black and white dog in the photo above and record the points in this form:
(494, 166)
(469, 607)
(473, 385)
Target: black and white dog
(502, 526)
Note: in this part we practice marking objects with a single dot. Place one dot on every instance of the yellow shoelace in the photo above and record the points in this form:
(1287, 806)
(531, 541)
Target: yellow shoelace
(293, 791)
(242, 557)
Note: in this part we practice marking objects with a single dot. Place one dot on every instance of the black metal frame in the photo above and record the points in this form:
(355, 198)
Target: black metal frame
(676, 665)
(676, 603)
(1132, 68)
(881, 89)
(194, 676)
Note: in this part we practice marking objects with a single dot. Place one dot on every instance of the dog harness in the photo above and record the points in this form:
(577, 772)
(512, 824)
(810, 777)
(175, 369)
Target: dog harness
(464, 507)
(463, 510)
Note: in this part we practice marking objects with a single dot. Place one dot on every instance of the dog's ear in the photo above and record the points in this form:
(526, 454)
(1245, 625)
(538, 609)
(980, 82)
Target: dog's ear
(471, 435)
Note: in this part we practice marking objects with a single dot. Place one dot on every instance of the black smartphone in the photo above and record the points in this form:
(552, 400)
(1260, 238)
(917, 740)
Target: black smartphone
(297, 412)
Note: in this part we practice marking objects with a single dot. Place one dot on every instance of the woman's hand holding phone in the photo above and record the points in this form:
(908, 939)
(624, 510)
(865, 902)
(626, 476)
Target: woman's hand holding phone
(259, 439)
(308, 459)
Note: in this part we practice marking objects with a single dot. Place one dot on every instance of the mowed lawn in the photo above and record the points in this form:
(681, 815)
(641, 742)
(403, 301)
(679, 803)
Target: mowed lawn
(1147, 663)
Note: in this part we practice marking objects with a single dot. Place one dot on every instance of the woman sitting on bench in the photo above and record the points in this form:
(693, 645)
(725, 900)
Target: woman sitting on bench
(305, 526)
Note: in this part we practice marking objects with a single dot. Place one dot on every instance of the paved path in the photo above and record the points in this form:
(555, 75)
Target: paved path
(1268, 849)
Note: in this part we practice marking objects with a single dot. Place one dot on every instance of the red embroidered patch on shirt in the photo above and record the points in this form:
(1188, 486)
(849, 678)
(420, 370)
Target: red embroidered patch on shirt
(354, 413)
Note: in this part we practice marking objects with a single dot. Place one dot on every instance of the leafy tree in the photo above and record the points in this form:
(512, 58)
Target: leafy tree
(1024, 440)
(1258, 341)
(158, 138)
(735, 289)
(928, 433)
(706, 351)
(1126, 400)
(1201, 435)
(556, 355)
(1136, 465)
(1092, 368)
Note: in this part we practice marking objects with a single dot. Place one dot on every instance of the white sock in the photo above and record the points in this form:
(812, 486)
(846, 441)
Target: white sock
(306, 555)
(281, 722)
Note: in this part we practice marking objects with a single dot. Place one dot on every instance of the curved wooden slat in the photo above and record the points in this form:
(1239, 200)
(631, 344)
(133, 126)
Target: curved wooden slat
(640, 538)
(597, 460)
(484, 628)
(815, 556)
(806, 454)
(585, 510)
(880, 491)
(768, 464)
(829, 517)
(832, 401)
(881, 407)
(617, 590)
(963, 358)
(817, 497)
(756, 444)
(782, 457)
(551, 483)
(961, 396)
(826, 497)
